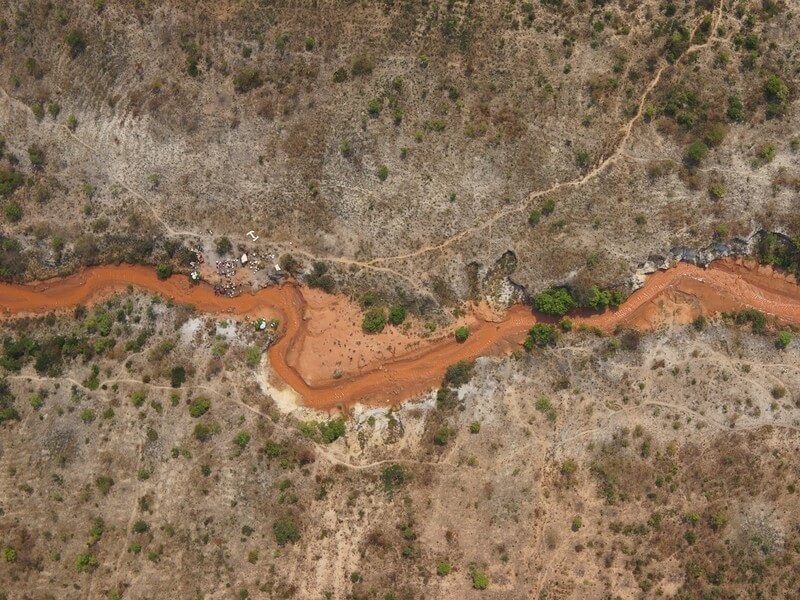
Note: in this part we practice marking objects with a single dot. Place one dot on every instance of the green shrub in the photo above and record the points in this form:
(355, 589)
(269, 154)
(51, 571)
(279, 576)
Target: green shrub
(247, 79)
(362, 64)
(479, 580)
(163, 270)
(85, 562)
(394, 476)
(443, 568)
(286, 530)
(10, 554)
(548, 207)
(76, 43)
(374, 107)
(242, 439)
(12, 211)
(224, 246)
(104, 484)
(87, 415)
(534, 217)
(309, 44)
(577, 523)
(397, 314)
(332, 430)
(383, 172)
(784, 339)
(140, 526)
(202, 432)
(177, 377)
(459, 373)
(138, 398)
(319, 277)
(696, 152)
(462, 333)
(36, 156)
(340, 75)
(199, 407)
(475, 427)
(776, 90)
(556, 301)
(374, 320)
(252, 356)
(10, 180)
(540, 335)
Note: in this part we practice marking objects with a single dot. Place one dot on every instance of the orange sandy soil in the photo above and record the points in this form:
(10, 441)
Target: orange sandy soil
(321, 333)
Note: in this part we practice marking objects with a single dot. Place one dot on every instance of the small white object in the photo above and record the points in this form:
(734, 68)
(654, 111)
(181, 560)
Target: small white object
(252, 236)
(244, 259)
(277, 267)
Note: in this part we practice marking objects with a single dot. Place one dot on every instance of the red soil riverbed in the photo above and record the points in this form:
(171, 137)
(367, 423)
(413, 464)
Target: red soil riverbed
(673, 296)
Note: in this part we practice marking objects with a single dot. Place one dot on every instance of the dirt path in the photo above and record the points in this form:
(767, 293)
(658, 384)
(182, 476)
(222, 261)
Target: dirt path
(726, 285)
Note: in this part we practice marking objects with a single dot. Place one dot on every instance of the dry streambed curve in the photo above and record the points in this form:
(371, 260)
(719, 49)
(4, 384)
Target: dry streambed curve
(676, 295)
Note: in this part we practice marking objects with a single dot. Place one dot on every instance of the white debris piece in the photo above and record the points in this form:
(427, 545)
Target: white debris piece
(244, 259)
(277, 267)
(252, 235)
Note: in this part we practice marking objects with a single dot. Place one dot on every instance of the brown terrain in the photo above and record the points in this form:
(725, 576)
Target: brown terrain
(408, 168)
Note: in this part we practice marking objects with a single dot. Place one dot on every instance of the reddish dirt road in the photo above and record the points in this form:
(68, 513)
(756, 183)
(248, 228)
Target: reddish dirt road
(676, 295)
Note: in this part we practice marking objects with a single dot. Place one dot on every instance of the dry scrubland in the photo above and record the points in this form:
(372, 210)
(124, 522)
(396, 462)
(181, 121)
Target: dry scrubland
(424, 151)
(137, 126)
(614, 467)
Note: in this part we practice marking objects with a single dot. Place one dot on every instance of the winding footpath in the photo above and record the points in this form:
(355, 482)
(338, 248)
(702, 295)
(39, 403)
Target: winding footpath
(726, 285)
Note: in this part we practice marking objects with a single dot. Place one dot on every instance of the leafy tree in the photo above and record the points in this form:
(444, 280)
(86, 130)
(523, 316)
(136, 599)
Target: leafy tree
(397, 314)
(202, 432)
(374, 320)
(140, 526)
(163, 270)
(556, 301)
(462, 333)
(104, 483)
(332, 430)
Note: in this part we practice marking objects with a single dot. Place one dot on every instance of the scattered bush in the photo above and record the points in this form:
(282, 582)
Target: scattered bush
(12, 211)
(696, 152)
(319, 277)
(85, 562)
(362, 64)
(202, 432)
(462, 333)
(534, 217)
(479, 580)
(383, 172)
(224, 246)
(140, 526)
(10, 180)
(104, 484)
(177, 377)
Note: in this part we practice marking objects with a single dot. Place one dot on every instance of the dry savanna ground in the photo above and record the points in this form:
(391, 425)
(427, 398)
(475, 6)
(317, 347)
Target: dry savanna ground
(406, 144)
(605, 467)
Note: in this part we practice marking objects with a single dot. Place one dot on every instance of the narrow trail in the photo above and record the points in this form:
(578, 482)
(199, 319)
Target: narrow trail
(726, 285)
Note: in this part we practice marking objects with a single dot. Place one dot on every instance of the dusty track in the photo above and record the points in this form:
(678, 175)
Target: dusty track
(674, 295)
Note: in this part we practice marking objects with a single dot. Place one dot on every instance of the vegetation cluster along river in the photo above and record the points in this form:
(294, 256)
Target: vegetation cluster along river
(676, 295)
